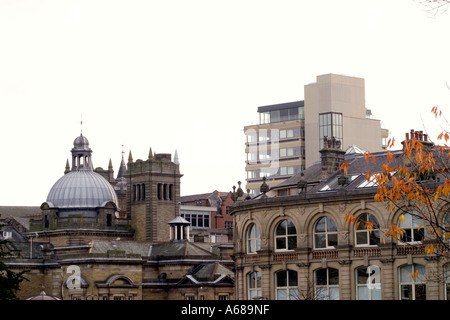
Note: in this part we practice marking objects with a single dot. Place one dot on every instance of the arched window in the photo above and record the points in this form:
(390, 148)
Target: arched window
(285, 236)
(412, 282)
(143, 191)
(368, 283)
(159, 191)
(253, 239)
(325, 233)
(447, 281)
(170, 191)
(254, 285)
(364, 236)
(286, 285)
(414, 231)
(446, 225)
(326, 284)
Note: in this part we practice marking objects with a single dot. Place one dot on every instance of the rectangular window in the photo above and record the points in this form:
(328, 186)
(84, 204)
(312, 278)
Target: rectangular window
(264, 117)
(330, 125)
(275, 116)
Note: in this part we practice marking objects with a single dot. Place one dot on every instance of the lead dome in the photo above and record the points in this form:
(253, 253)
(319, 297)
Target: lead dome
(81, 189)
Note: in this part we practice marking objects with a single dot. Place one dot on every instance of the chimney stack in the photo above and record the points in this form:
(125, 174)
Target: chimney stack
(420, 137)
(331, 156)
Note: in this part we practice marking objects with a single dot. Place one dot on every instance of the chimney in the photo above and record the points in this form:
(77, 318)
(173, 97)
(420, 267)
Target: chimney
(331, 156)
(420, 137)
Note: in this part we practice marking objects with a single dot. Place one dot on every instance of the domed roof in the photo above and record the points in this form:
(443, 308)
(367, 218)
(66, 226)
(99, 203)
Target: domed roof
(81, 189)
(81, 143)
(43, 296)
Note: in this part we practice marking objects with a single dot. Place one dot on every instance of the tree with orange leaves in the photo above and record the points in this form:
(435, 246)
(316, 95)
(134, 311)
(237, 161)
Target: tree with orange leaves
(415, 183)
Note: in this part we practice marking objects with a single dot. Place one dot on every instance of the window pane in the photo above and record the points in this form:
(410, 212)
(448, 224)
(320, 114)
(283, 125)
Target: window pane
(363, 293)
(293, 113)
(321, 277)
(258, 245)
(332, 239)
(376, 294)
(374, 237)
(321, 293)
(420, 293)
(257, 233)
(406, 237)
(281, 229)
(292, 278)
(320, 226)
(281, 243)
(292, 243)
(281, 279)
(362, 275)
(331, 226)
(251, 232)
(258, 279)
(284, 115)
(281, 294)
(407, 223)
(334, 293)
(293, 294)
(418, 234)
(405, 274)
(320, 241)
(361, 237)
(361, 222)
(275, 116)
(333, 275)
(251, 246)
(406, 292)
(291, 227)
(421, 273)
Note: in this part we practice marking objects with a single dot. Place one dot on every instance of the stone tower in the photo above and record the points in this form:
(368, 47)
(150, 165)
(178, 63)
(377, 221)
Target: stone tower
(153, 195)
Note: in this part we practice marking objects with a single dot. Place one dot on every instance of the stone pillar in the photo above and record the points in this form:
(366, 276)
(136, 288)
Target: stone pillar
(345, 281)
(265, 282)
(305, 282)
(387, 279)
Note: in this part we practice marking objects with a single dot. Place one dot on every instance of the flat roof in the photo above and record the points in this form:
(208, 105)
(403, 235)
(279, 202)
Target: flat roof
(280, 106)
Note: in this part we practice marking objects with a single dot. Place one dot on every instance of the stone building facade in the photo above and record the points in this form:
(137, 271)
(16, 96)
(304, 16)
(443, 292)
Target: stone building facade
(301, 246)
(106, 238)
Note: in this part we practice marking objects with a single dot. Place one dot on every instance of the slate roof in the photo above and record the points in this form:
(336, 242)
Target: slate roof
(154, 251)
(21, 214)
(355, 172)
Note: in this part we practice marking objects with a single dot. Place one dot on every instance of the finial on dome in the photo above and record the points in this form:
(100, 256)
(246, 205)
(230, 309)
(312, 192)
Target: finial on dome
(67, 167)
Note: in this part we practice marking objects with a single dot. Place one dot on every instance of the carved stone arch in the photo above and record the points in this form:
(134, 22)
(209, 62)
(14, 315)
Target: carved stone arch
(119, 281)
(315, 216)
(245, 227)
(273, 224)
(443, 210)
(394, 215)
(358, 212)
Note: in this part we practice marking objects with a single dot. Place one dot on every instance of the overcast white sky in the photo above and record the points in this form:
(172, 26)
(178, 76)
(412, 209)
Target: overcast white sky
(189, 75)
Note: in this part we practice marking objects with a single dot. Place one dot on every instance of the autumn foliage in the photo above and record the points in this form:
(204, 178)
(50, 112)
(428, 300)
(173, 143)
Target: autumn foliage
(415, 183)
